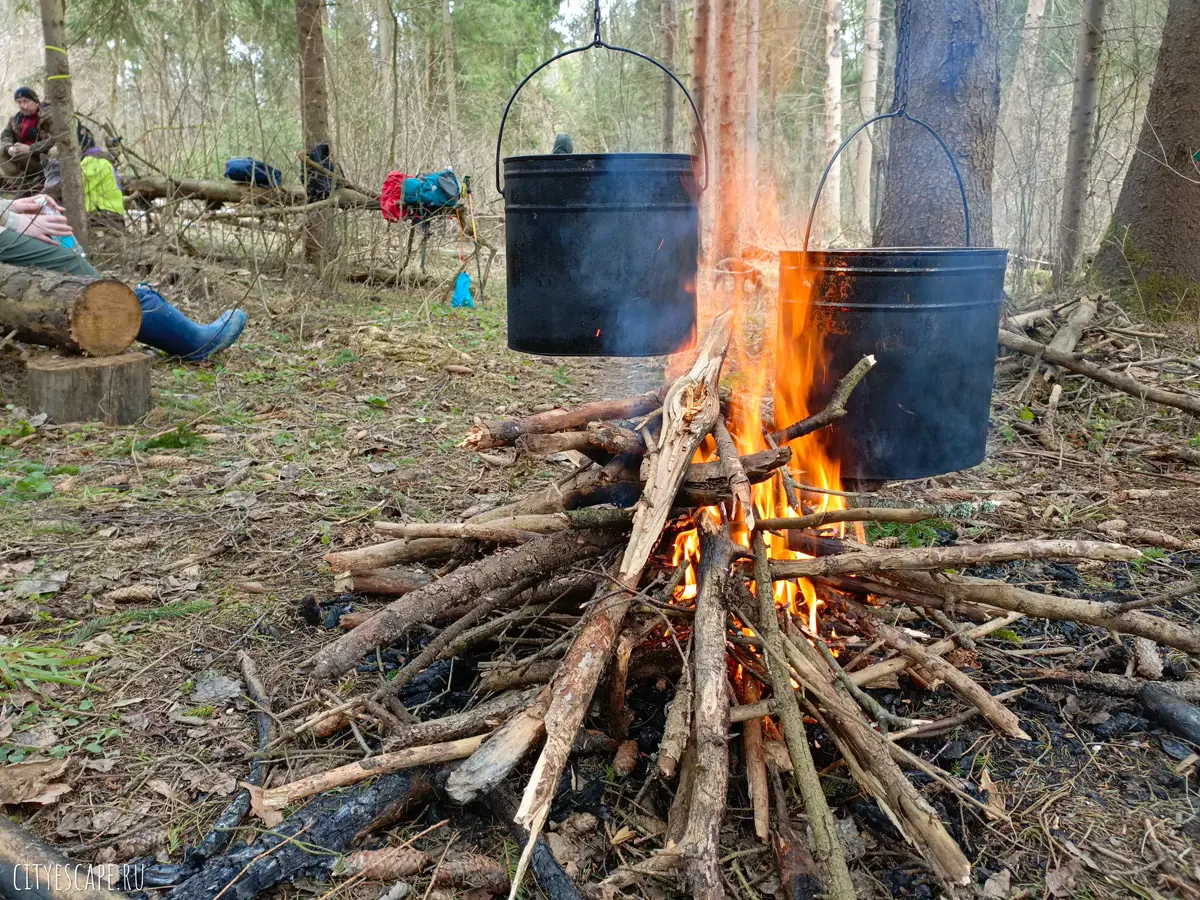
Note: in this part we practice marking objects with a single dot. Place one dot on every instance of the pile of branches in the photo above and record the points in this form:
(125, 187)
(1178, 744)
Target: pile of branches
(591, 555)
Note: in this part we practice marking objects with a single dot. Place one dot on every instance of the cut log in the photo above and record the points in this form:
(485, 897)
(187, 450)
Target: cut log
(76, 313)
(111, 389)
(1119, 380)
(540, 557)
(383, 582)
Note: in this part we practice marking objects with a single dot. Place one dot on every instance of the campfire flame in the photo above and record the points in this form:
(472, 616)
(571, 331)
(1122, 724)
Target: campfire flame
(771, 358)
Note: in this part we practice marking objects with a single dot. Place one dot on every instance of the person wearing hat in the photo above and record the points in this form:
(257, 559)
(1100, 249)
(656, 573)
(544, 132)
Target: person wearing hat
(25, 140)
(35, 233)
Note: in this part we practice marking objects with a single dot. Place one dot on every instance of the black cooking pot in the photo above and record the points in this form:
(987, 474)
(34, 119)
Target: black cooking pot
(930, 316)
(601, 247)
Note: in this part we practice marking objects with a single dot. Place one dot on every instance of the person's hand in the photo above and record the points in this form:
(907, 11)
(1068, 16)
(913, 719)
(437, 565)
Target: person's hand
(18, 150)
(44, 226)
(35, 205)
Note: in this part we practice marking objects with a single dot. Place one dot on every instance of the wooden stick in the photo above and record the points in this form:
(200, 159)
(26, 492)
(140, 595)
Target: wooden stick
(992, 710)
(832, 516)
(710, 718)
(834, 409)
(389, 553)
(864, 585)
(1187, 402)
(830, 856)
(514, 529)
(287, 794)
(1118, 685)
(753, 711)
(506, 747)
(690, 409)
(678, 726)
(483, 718)
(1047, 606)
(380, 582)
(1067, 338)
(865, 676)
(756, 766)
(739, 484)
(604, 437)
(941, 726)
(537, 558)
(506, 431)
(947, 557)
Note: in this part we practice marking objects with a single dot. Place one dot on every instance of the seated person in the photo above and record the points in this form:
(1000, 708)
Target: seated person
(102, 196)
(31, 230)
(25, 140)
(563, 144)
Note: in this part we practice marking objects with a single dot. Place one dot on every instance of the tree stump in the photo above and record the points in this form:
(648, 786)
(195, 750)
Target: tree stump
(112, 389)
(100, 316)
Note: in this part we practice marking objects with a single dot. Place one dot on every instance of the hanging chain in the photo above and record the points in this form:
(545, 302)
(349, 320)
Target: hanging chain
(903, 45)
(596, 42)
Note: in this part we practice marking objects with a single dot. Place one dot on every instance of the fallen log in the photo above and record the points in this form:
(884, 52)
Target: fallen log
(1067, 338)
(537, 558)
(156, 187)
(331, 822)
(75, 313)
(1170, 711)
(499, 433)
(1126, 383)
(389, 553)
(1117, 685)
(932, 558)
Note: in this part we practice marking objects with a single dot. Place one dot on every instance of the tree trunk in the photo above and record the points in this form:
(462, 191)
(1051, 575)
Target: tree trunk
(449, 71)
(726, 240)
(62, 115)
(99, 316)
(750, 196)
(867, 97)
(1018, 89)
(701, 21)
(1079, 141)
(320, 233)
(1155, 228)
(953, 84)
(667, 11)
(832, 195)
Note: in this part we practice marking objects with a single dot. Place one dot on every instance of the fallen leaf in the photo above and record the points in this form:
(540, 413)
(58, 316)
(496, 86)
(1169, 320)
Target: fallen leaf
(9, 571)
(995, 800)
(213, 687)
(998, 885)
(623, 834)
(101, 765)
(210, 781)
(162, 788)
(239, 499)
(39, 737)
(31, 782)
(134, 593)
(46, 583)
(381, 467)
(1061, 882)
(258, 805)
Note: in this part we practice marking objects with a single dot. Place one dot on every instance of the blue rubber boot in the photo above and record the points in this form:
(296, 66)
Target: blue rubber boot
(167, 329)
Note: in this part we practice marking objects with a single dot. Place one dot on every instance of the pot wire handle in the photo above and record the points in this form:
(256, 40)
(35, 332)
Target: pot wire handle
(901, 113)
(597, 42)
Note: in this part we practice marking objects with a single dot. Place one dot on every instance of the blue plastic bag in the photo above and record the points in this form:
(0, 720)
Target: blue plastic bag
(462, 291)
(246, 170)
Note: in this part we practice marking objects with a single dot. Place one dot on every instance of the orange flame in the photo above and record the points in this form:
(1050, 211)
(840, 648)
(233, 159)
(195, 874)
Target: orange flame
(776, 352)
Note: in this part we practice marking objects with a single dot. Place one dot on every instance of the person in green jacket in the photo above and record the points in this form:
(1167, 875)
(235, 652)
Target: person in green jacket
(35, 233)
(25, 141)
(102, 195)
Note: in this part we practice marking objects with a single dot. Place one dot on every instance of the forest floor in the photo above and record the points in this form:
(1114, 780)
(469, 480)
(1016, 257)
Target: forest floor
(337, 409)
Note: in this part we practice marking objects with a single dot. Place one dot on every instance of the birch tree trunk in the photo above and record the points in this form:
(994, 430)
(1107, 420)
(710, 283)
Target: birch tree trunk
(725, 241)
(320, 232)
(867, 97)
(831, 198)
(750, 202)
(954, 86)
(62, 115)
(449, 71)
(667, 14)
(1079, 141)
(1155, 228)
